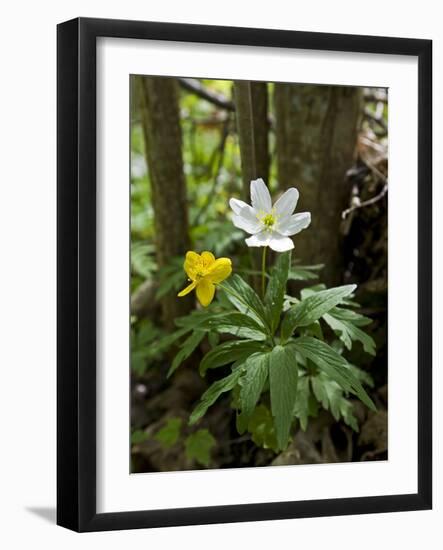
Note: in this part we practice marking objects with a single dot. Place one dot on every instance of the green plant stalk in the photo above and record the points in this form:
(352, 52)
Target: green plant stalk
(263, 271)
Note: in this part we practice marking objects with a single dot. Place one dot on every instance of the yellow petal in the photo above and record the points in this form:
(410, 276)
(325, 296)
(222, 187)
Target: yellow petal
(208, 258)
(192, 257)
(187, 290)
(192, 264)
(219, 270)
(205, 292)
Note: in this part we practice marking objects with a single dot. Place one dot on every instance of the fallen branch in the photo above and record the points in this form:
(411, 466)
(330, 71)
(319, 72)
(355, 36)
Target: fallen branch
(194, 86)
(368, 202)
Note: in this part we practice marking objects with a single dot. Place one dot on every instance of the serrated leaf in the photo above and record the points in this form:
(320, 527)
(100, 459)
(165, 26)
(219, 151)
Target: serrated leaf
(142, 259)
(347, 330)
(213, 393)
(331, 397)
(305, 404)
(187, 348)
(304, 272)
(350, 315)
(198, 446)
(236, 323)
(333, 365)
(169, 434)
(251, 384)
(362, 375)
(229, 352)
(328, 392)
(276, 289)
(313, 307)
(283, 378)
(346, 410)
(245, 299)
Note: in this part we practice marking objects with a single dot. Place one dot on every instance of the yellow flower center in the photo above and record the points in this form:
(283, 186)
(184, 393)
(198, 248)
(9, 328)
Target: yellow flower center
(268, 220)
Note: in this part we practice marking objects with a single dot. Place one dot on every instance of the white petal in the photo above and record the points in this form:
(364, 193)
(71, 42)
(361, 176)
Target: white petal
(260, 197)
(286, 204)
(280, 243)
(237, 205)
(294, 224)
(260, 239)
(247, 224)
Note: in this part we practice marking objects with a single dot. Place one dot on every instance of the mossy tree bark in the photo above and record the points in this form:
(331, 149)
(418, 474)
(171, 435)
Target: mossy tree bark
(251, 107)
(163, 146)
(316, 132)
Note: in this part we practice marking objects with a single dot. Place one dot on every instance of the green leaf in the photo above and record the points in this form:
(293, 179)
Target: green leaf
(345, 328)
(138, 436)
(142, 259)
(195, 318)
(163, 344)
(198, 446)
(213, 393)
(171, 277)
(351, 316)
(304, 272)
(311, 290)
(229, 352)
(213, 339)
(328, 392)
(331, 397)
(262, 429)
(303, 404)
(187, 348)
(236, 323)
(313, 329)
(245, 299)
(141, 357)
(347, 412)
(333, 365)
(169, 434)
(313, 307)
(276, 289)
(283, 377)
(362, 375)
(251, 384)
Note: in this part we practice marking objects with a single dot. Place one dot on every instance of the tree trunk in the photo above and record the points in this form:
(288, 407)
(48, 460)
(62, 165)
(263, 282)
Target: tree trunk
(251, 102)
(316, 132)
(251, 109)
(162, 136)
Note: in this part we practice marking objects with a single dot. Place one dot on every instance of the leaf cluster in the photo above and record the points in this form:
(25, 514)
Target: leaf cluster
(283, 369)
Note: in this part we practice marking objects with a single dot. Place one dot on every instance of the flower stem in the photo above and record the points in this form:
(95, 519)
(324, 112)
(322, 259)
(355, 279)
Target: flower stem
(263, 271)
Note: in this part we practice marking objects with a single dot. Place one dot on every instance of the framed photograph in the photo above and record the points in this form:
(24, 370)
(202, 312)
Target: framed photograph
(232, 345)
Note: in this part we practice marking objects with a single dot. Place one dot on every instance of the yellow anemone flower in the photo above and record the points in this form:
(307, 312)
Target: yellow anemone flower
(205, 272)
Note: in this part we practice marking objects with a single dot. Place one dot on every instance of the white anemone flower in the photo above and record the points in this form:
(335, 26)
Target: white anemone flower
(269, 225)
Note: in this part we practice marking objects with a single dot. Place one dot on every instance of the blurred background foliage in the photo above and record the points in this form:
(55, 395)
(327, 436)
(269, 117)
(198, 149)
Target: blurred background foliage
(191, 150)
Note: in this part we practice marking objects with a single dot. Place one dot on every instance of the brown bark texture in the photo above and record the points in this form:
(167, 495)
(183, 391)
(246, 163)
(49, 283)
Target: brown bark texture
(251, 102)
(163, 147)
(316, 133)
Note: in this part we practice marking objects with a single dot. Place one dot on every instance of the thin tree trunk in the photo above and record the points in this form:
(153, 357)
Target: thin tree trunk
(251, 109)
(162, 136)
(251, 102)
(316, 131)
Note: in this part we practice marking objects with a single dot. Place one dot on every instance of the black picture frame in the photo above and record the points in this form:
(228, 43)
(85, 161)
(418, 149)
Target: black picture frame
(76, 281)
